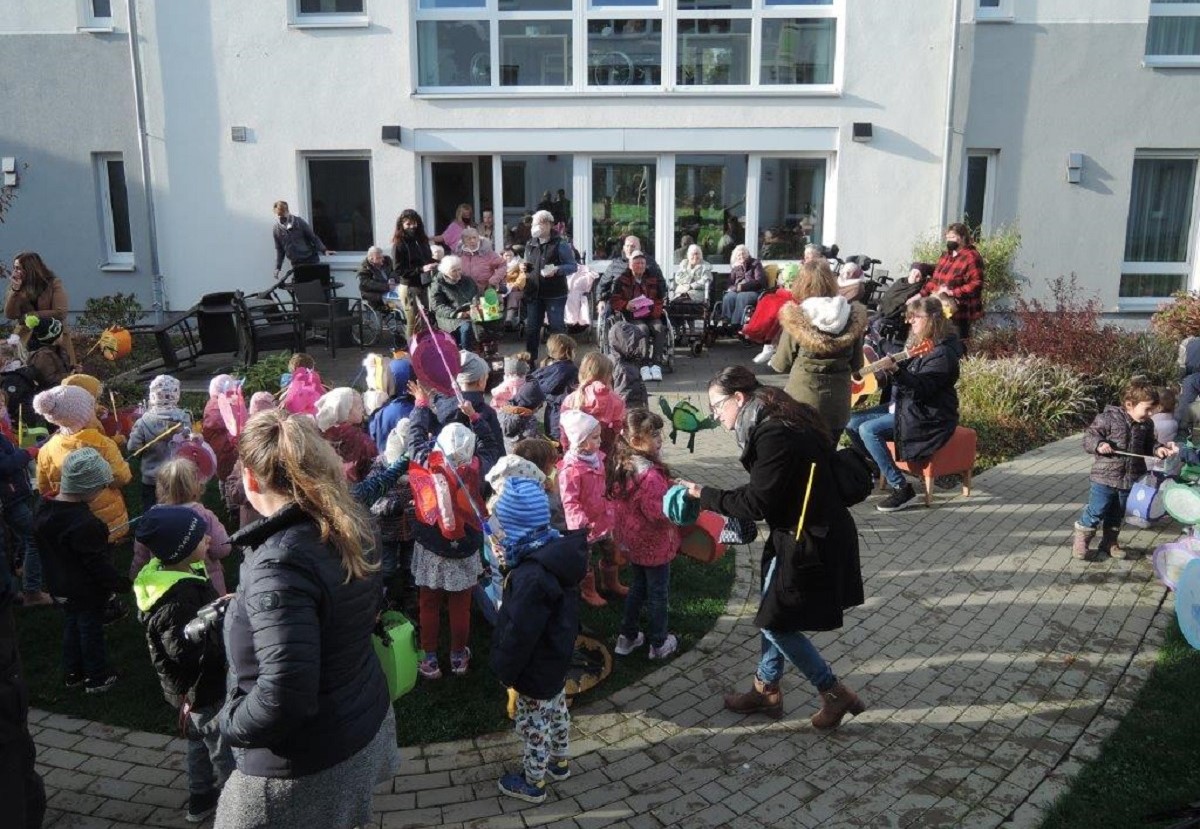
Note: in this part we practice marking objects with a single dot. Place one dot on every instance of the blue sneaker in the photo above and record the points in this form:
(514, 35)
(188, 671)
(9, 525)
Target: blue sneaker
(558, 768)
(515, 785)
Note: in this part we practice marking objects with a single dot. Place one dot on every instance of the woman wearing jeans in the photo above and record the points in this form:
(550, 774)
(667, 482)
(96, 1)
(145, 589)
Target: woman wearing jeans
(807, 584)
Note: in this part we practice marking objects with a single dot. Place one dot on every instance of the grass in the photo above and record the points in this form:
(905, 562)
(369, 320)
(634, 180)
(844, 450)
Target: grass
(1149, 763)
(449, 709)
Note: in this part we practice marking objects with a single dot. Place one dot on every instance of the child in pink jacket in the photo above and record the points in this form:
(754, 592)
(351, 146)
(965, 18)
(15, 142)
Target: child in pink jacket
(582, 484)
(647, 537)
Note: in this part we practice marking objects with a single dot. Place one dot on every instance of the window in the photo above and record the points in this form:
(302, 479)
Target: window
(623, 204)
(994, 10)
(95, 15)
(978, 189)
(339, 201)
(328, 13)
(791, 206)
(1173, 33)
(710, 205)
(114, 209)
(473, 46)
(530, 183)
(1159, 234)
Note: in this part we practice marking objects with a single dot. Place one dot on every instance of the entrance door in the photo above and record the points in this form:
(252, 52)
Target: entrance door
(454, 182)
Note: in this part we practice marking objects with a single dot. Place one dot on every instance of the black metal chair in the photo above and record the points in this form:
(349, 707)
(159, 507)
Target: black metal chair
(325, 315)
(266, 324)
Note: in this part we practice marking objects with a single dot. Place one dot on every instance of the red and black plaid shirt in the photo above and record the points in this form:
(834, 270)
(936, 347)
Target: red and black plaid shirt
(962, 276)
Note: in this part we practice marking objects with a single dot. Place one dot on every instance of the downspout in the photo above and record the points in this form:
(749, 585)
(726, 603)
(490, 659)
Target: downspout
(951, 79)
(139, 105)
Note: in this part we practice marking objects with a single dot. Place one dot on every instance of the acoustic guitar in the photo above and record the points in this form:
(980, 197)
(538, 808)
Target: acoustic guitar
(865, 383)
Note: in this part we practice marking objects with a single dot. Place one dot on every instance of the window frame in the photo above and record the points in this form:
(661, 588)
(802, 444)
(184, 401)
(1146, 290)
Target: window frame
(305, 193)
(90, 23)
(113, 258)
(326, 20)
(1001, 13)
(667, 11)
(1186, 269)
(1170, 10)
(988, 219)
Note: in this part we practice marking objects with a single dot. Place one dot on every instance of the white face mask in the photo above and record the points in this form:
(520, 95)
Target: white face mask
(472, 246)
(541, 231)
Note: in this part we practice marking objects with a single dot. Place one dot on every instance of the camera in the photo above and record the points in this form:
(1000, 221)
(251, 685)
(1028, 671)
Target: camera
(208, 618)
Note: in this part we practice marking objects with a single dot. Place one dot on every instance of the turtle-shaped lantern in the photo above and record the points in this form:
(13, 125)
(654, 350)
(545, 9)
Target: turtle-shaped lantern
(686, 418)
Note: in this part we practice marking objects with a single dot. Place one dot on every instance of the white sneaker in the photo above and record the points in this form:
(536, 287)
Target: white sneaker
(656, 373)
(647, 374)
(666, 649)
(626, 646)
(765, 355)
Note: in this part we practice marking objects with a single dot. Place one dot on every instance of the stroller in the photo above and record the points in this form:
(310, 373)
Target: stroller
(887, 329)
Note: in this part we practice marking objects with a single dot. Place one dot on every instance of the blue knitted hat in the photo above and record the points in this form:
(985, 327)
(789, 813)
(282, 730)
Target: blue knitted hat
(523, 512)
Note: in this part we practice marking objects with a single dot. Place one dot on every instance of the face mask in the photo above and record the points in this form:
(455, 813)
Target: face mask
(283, 220)
(952, 246)
(471, 248)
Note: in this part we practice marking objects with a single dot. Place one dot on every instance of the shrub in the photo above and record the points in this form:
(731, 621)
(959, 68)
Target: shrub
(1180, 319)
(264, 374)
(103, 312)
(1136, 353)
(1071, 332)
(1022, 390)
(999, 252)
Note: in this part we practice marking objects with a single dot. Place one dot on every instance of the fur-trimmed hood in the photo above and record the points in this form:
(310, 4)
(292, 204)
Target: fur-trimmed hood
(812, 340)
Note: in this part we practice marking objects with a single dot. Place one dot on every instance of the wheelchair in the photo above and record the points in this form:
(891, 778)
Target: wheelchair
(690, 320)
(717, 325)
(605, 321)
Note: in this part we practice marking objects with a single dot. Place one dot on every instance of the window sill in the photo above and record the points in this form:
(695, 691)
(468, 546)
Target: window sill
(994, 18)
(504, 93)
(119, 267)
(1171, 61)
(340, 21)
(1142, 304)
(95, 30)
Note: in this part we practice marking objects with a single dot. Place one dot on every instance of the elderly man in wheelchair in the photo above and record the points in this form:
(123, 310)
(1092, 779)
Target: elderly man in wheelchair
(638, 296)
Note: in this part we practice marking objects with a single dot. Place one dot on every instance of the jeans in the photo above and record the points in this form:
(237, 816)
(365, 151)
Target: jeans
(735, 305)
(1106, 505)
(869, 431)
(19, 517)
(796, 648)
(464, 335)
(209, 757)
(656, 332)
(83, 641)
(649, 586)
(536, 309)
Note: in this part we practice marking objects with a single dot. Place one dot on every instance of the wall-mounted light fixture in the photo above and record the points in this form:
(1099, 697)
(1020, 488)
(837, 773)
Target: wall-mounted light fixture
(863, 131)
(1074, 168)
(391, 134)
(239, 134)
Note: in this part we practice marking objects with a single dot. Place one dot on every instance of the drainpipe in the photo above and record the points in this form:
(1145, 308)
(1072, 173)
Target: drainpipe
(139, 105)
(951, 79)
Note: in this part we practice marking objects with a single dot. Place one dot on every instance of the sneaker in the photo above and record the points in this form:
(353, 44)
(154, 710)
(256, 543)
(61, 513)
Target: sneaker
(656, 373)
(647, 375)
(626, 646)
(460, 661)
(900, 498)
(515, 785)
(101, 685)
(429, 668)
(73, 680)
(765, 355)
(666, 649)
(200, 806)
(558, 768)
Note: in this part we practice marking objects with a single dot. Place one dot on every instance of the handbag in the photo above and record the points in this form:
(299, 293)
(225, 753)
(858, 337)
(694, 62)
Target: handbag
(738, 531)
(395, 642)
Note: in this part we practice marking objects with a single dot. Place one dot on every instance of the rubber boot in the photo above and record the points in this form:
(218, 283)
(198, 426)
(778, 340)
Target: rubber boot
(761, 699)
(1108, 543)
(1083, 537)
(610, 581)
(587, 590)
(836, 703)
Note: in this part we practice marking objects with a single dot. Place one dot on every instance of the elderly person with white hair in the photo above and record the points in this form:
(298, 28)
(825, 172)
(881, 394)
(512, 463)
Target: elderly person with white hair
(452, 297)
(480, 263)
(375, 276)
(746, 282)
(692, 277)
(549, 260)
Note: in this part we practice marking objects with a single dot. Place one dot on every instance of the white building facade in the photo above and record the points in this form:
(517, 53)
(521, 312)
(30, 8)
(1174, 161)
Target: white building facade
(866, 123)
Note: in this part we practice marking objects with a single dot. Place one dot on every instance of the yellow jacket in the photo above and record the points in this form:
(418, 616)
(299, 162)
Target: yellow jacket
(110, 506)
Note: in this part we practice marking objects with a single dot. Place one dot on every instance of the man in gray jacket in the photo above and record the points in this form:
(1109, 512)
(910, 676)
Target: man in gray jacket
(295, 240)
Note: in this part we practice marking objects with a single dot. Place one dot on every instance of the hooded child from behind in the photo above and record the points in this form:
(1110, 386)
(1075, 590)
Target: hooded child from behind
(627, 342)
(162, 416)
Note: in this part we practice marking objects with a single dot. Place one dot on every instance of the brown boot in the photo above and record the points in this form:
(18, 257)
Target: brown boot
(761, 699)
(1083, 537)
(587, 590)
(1108, 543)
(835, 704)
(610, 581)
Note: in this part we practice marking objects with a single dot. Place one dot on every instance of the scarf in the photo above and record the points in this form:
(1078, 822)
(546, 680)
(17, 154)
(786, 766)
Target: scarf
(747, 419)
(595, 460)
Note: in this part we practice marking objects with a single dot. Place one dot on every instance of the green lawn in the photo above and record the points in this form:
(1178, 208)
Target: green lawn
(1150, 763)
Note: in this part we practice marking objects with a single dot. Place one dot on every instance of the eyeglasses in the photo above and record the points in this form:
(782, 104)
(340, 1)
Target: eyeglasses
(912, 317)
(712, 407)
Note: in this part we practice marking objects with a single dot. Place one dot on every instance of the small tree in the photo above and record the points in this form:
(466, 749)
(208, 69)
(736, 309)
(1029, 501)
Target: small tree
(999, 252)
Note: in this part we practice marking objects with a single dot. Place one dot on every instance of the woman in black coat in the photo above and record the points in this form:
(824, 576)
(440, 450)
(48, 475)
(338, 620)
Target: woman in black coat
(806, 584)
(412, 259)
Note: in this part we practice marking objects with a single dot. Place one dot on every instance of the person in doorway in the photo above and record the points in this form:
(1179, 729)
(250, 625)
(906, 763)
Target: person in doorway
(463, 218)
(550, 261)
(295, 240)
(487, 228)
(414, 263)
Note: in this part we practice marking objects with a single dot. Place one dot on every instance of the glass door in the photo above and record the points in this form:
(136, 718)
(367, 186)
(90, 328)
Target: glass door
(624, 196)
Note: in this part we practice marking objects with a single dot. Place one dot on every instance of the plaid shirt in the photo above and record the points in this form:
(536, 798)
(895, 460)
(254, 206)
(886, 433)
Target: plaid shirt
(626, 288)
(962, 276)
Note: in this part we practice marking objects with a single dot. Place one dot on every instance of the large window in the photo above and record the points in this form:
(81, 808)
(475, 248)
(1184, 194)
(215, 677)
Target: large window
(1173, 33)
(529, 183)
(623, 204)
(339, 207)
(710, 205)
(1159, 234)
(486, 45)
(791, 206)
(114, 209)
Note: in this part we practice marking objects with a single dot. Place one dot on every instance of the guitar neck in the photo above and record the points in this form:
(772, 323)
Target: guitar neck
(870, 368)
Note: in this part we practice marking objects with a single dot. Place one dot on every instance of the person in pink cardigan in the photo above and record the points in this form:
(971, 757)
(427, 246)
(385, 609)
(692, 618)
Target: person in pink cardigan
(178, 484)
(583, 485)
(648, 539)
(481, 264)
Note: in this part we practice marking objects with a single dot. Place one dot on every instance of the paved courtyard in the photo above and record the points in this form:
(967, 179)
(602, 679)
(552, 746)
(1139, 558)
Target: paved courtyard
(993, 665)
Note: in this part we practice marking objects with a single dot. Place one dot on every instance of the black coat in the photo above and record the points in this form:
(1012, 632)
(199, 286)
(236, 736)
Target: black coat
(1114, 427)
(926, 401)
(306, 690)
(14, 473)
(539, 617)
(373, 282)
(409, 256)
(809, 595)
(195, 672)
(77, 560)
(554, 251)
(557, 380)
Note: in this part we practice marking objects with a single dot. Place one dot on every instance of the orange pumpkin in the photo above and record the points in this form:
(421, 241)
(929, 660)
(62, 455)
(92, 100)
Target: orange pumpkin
(116, 343)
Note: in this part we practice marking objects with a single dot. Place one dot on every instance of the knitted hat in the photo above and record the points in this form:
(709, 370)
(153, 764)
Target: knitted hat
(69, 407)
(577, 426)
(221, 384)
(513, 466)
(171, 533)
(523, 513)
(397, 442)
(515, 367)
(84, 471)
(86, 382)
(334, 407)
(529, 395)
(262, 401)
(457, 443)
(474, 368)
(47, 330)
(164, 392)
(828, 314)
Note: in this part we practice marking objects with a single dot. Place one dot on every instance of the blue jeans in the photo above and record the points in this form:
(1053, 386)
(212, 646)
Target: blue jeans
(209, 757)
(536, 310)
(793, 646)
(735, 305)
(464, 335)
(1106, 505)
(869, 431)
(19, 517)
(83, 641)
(649, 586)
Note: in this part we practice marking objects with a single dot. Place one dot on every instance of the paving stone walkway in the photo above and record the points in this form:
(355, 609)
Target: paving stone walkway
(992, 662)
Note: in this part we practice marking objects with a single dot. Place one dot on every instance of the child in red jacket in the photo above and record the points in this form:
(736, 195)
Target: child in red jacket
(340, 414)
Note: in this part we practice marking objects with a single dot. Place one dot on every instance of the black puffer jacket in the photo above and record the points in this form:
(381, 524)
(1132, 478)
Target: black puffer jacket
(926, 401)
(306, 690)
(626, 339)
(167, 601)
(539, 617)
(557, 380)
(77, 559)
(410, 255)
(1116, 428)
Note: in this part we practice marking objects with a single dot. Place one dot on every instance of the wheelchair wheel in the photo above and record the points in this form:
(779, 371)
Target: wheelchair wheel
(697, 348)
(368, 333)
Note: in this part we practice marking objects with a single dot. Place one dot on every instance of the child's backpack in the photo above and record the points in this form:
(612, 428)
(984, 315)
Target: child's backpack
(686, 418)
(19, 385)
(303, 391)
(444, 495)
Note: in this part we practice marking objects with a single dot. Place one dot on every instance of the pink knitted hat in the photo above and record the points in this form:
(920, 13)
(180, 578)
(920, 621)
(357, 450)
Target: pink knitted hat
(68, 407)
(262, 401)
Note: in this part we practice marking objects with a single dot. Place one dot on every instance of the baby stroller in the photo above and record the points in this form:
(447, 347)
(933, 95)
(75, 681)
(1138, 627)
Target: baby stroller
(888, 328)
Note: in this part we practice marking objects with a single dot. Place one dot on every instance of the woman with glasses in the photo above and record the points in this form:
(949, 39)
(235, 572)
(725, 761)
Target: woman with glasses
(923, 413)
(810, 566)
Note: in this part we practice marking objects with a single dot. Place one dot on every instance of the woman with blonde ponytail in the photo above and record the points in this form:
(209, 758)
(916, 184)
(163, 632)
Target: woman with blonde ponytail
(309, 706)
